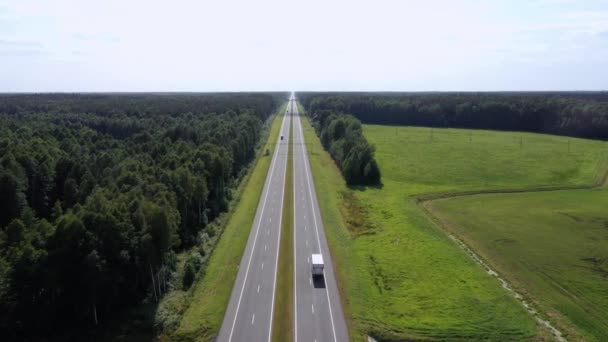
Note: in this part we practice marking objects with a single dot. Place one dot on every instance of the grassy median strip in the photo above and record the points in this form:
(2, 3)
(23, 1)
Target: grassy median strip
(203, 317)
(282, 326)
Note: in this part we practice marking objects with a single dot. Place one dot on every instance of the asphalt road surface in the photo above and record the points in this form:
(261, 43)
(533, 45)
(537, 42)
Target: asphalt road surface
(318, 315)
(249, 313)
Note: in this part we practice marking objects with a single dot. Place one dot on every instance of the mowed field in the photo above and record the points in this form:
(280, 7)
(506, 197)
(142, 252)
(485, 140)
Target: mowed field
(553, 246)
(401, 276)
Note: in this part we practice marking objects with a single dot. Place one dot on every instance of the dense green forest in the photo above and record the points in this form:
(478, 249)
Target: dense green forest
(342, 136)
(98, 192)
(581, 114)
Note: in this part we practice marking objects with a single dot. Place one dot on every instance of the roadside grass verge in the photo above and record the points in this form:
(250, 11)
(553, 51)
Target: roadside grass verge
(551, 246)
(210, 294)
(400, 276)
(282, 328)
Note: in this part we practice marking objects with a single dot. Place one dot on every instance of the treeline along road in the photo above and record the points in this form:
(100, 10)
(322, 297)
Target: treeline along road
(98, 192)
(580, 114)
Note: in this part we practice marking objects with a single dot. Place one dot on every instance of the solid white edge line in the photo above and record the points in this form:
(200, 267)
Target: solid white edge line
(295, 258)
(312, 204)
(279, 238)
(274, 159)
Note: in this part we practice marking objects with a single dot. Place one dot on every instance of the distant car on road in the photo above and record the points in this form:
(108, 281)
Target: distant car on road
(281, 137)
(317, 265)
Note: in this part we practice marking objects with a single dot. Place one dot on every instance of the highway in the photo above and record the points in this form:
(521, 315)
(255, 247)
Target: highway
(248, 316)
(318, 315)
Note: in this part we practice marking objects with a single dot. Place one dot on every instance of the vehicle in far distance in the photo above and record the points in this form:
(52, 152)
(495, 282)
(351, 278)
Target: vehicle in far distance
(281, 137)
(317, 265)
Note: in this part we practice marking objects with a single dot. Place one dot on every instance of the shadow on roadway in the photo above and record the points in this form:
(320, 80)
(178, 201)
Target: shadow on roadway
(318, 282)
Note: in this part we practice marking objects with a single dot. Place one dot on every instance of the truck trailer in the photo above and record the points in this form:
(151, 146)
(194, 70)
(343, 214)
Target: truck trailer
(317, 265)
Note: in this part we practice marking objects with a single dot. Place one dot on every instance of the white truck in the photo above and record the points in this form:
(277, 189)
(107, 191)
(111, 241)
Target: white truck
(317, 265)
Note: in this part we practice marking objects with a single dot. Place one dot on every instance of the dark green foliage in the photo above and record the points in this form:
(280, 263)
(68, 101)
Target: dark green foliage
(341, 135)
(12, 200)
(189, 275)
(192, 266)
(581, 114)
(98, 193)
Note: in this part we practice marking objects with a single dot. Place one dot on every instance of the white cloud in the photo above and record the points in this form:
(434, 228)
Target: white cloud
(331, 45)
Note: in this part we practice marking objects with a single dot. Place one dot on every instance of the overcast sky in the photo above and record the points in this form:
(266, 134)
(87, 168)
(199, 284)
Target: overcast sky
(126, 45)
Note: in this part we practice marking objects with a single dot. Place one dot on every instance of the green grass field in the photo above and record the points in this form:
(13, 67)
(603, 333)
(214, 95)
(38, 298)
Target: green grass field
(203, 317)
(400, 275)
(436, 160)
(553, 246)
